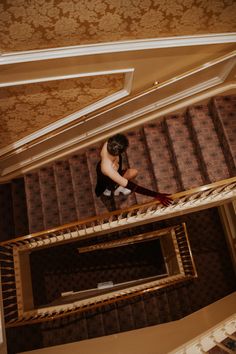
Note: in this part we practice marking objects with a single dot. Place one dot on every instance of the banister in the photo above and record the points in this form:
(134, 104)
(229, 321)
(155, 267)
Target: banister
(120, 212)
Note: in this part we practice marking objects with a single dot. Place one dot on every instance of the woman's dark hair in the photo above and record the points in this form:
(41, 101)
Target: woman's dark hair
(117, 144)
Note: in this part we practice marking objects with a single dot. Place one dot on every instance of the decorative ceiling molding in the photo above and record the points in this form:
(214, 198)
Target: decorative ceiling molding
(114, 47)
(128, 77)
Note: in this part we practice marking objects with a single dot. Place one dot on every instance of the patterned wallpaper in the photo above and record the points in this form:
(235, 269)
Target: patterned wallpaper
(35, 24)
(26, 108)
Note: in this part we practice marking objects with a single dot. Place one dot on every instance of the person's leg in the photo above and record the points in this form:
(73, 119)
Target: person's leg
(128, 174)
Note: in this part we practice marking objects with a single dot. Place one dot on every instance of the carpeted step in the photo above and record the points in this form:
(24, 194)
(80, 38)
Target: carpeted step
(65, 330)
(173, 303)
(163, 306)
(138, 312)
(210, 154)
(184, 299)
(81, 185)
(138, 158)
(110, 319)
(19, 207)
(93, 156)
(65, 192)
(151, 308)
(161, 158)
(6, 213)
(183, 152)
(224, 117)
(34, 202)
(95, 324)
(125, 314)
(49, 197)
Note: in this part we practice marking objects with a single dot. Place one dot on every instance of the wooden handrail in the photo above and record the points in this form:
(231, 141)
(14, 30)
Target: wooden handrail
(107, 216)
(49, 317)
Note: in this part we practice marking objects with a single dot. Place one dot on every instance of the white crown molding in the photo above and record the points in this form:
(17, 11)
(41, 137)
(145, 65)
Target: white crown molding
(114, 47)
(68, 119)
(127, 85)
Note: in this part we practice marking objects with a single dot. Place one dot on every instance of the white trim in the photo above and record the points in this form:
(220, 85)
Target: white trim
(93, 107)
(114, 47)
(72, 144)
(69, 76)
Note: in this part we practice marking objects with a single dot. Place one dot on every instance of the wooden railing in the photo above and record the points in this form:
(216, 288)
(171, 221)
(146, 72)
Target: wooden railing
(183, 202)
(15, 313)
(187, 201)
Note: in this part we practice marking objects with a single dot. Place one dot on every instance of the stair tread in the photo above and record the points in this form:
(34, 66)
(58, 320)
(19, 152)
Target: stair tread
(225, 121)
(185, 156)
(65, 193)
(208, 143)
(6, 213)
(81, 185)
(93, 157)
(138, 158)
(49, 197)
(19, 207)
(34, 202)
(160, 157)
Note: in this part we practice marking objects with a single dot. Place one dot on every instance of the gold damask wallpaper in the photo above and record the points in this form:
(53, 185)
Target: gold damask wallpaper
(26, 108)
(37, 24)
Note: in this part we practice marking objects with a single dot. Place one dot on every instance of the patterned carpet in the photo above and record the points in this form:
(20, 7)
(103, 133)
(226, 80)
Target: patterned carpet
(61, 269)
(216, 280)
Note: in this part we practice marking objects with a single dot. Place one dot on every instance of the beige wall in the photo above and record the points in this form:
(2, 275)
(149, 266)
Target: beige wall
(159, 339)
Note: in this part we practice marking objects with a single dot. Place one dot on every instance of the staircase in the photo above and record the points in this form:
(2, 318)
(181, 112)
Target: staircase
(175, 153)
(172, 154)
(215, 280)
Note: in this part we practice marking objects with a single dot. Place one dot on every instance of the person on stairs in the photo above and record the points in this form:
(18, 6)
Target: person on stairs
(112, 179)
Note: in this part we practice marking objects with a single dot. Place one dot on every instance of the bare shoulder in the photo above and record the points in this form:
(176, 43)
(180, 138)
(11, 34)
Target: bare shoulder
(106, 164)
(104, 152)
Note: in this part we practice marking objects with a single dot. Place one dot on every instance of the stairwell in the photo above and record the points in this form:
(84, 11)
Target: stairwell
(175, 153)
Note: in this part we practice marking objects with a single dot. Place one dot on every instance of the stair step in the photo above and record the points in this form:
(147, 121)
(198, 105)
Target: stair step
(65, 192)
(183, 150)
(163, 306)
(151, 309)
(139, 159)
(161, 158)
(93, 157)
(81, 184)
(19, 207)
(49, 197)
(174, 305)
(6, 213)
(34, 202)
(110, 319)
(207, 143)
(184, 299)
(55, 333)
(95, 323)
(125, 314)
(224, 117)
(138, 311)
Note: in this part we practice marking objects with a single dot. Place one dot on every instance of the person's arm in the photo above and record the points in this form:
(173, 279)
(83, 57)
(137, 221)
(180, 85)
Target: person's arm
(163, 198)
(108, 170)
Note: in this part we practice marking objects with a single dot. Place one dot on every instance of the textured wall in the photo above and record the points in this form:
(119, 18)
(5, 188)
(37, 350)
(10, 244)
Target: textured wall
(36, 24)
(26, 108)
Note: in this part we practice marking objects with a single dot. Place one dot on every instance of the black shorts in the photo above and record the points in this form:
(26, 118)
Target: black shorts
(105, 182)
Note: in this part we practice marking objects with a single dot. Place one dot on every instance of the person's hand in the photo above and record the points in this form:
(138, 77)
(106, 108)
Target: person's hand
(164, 199)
